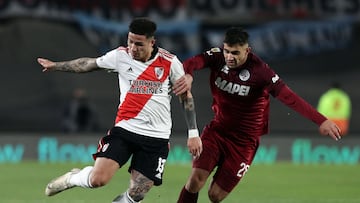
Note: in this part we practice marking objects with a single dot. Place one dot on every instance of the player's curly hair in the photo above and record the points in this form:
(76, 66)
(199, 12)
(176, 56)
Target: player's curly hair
(143, 26)
(236, 35)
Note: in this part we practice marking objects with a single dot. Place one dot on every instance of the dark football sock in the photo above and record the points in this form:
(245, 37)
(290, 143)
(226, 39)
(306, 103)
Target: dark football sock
(187, 197)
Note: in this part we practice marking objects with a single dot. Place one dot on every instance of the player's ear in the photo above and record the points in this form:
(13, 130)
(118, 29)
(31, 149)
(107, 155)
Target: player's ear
(153, 41)
(248, 49)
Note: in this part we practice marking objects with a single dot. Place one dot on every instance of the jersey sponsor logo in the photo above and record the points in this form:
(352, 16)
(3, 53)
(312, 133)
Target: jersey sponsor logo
(146, 87)
(244, 75)
(275, 78)
(232, 88)
(139, 93)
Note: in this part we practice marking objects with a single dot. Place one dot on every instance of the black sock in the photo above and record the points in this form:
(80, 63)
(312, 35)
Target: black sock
(187, 197)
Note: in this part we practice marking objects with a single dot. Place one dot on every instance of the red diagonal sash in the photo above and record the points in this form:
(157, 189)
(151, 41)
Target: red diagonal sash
(134, 102)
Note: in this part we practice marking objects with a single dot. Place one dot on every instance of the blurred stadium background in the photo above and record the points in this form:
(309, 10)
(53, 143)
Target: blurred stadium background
(308, 43)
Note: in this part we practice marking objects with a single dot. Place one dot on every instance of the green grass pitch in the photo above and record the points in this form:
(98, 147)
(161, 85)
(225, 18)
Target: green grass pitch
(277, 183)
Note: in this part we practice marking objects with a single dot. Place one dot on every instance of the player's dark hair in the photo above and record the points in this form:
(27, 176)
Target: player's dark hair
(236, 35)
(143, 26)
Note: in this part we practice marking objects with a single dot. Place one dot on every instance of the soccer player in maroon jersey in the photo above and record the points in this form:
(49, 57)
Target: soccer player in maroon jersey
(241, 84)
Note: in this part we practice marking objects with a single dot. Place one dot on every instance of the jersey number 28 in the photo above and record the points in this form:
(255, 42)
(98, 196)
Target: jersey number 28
(243, 169)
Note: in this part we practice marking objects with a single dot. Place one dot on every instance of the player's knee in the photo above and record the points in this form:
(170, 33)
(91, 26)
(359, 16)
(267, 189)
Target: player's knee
(216, 194)
(213, 197)
(194, 186)
(98, 180)
(97, 183)
(199, 179)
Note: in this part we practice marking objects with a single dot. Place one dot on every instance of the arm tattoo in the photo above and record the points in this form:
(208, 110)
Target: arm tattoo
(79, 65)
(190, 114)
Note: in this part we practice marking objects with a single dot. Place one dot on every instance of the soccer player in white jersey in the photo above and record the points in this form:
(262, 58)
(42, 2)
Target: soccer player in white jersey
(143, 122)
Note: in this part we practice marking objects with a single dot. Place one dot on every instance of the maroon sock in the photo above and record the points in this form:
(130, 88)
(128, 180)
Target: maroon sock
(187, 197)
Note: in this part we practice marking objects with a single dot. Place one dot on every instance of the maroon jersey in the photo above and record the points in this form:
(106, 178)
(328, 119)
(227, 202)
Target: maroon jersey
(241, 95)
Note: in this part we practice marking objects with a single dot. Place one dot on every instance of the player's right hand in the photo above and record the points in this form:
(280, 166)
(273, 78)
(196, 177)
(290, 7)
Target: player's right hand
(195, 146)
(46, 64)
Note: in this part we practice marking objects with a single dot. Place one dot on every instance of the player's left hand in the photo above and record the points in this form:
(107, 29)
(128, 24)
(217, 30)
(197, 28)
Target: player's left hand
(329, 128)
(183, 84)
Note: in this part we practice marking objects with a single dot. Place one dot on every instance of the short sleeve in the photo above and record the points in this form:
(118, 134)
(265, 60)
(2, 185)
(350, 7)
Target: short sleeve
(177, 70)
(108, 61)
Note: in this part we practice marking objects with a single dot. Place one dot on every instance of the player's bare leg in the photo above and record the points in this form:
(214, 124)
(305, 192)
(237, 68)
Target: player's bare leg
(139, 186)
(104, 170)
(195, 182)
(88, 177)
(216, 193)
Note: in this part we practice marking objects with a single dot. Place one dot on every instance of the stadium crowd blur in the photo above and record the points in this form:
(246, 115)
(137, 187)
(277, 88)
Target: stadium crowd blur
(336, 104)
(79, 114)
(309, 43)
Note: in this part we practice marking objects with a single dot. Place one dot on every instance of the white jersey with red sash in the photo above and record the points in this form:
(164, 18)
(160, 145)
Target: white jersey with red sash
(145, 88)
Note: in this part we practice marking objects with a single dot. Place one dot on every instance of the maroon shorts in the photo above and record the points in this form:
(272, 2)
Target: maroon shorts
(231, 158)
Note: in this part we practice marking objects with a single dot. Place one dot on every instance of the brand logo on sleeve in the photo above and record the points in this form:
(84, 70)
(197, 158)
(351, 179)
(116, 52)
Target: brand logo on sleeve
(225, 69)
(130, 70)
(275, 78)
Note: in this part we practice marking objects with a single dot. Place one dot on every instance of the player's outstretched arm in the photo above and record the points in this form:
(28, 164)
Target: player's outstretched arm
(329, 128)
(80, 65)
(292, 100)
(194, 142)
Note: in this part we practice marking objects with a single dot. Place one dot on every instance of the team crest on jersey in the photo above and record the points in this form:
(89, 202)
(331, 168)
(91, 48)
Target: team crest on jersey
(159, 72)
(105, 147)
(244, 75)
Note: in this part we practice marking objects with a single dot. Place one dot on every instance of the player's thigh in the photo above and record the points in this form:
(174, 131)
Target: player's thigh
(210, 156)
(236, 163)
(104, 169)
(115, 146)
(216, 193)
